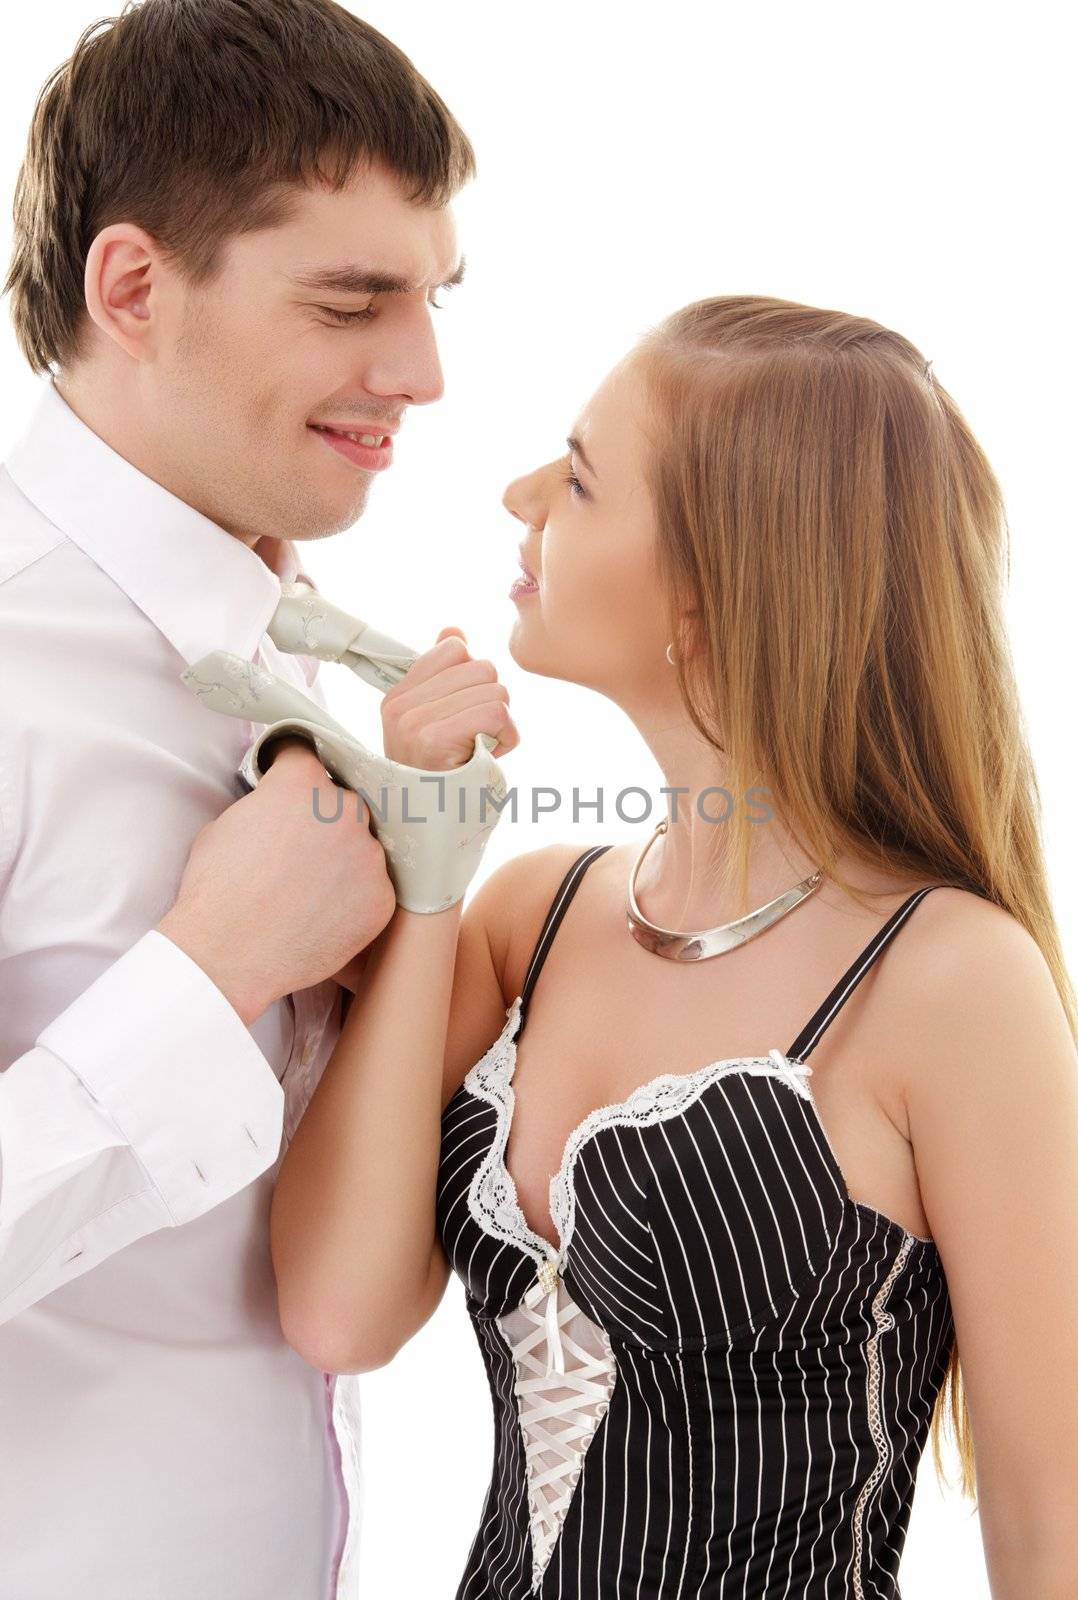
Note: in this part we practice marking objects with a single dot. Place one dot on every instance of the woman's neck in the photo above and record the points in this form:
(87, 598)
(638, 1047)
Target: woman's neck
(679, 884)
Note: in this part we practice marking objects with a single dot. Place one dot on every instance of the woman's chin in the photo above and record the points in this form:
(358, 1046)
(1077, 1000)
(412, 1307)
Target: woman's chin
(536, 660)
(517, 648)
(526, 652)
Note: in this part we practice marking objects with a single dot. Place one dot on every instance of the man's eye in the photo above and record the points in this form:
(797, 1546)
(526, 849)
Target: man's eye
(344, 317)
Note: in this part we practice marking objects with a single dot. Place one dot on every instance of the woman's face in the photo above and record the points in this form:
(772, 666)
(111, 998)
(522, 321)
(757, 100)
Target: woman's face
(595, 616)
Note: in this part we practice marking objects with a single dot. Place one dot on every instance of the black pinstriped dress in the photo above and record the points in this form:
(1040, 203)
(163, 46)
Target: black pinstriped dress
(720, 1385)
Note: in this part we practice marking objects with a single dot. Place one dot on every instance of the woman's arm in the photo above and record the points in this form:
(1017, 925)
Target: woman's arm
(992, 1095)
(352, 1217)
(351, 1221)
(358, 1266)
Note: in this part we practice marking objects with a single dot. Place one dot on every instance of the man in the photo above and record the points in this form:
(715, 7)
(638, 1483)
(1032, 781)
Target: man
(230, 224)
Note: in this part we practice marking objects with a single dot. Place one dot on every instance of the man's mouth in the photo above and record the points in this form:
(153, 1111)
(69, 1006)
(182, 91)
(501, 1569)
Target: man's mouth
(370, 450)
(373, 440)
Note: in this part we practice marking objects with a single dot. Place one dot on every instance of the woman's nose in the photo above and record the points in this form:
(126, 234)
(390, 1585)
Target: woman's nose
(523, 498)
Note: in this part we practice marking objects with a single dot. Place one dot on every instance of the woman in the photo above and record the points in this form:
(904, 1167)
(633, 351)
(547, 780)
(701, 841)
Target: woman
(718, 1311)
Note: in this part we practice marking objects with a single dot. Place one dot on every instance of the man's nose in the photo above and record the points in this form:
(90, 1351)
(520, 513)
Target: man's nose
(408, 365)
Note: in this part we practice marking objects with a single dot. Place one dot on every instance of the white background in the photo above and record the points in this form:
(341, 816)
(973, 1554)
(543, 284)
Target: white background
(910, 165)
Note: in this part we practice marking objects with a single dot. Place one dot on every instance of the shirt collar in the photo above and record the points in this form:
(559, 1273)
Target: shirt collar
(202, 587)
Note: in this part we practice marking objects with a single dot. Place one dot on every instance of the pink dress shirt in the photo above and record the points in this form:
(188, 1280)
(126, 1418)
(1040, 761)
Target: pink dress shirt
(159, 1440)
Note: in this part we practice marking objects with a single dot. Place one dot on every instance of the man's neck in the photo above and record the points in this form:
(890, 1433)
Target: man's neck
(271, 551)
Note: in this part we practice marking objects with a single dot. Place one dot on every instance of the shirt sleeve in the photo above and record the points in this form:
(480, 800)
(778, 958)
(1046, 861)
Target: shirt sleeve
(141, 1106)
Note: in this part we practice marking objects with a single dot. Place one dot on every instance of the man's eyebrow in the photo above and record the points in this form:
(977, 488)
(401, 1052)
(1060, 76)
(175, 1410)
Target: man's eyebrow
(356, 279)
(578, 449)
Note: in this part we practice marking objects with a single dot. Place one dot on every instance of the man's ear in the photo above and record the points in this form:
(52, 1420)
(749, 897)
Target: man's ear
(123, 285)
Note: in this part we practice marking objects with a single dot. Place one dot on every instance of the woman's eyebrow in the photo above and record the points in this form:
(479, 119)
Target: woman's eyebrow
(578, 449)
(355, 279)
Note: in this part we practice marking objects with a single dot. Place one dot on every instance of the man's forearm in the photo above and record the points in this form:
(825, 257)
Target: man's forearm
(142, 1105)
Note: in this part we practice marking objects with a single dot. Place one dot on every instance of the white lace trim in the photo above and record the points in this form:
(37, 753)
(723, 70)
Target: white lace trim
(884, 1322)
(559, 1415)
(492, 1195)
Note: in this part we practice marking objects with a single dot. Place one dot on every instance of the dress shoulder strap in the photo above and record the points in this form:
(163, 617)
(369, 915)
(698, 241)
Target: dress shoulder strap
(816, 1026)
(558, 907)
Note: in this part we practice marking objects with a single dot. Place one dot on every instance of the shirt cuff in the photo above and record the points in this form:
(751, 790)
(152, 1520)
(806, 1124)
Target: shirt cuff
(156, 1043)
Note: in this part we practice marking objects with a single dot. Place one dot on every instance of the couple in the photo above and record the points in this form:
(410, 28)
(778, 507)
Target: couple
(719, 1288)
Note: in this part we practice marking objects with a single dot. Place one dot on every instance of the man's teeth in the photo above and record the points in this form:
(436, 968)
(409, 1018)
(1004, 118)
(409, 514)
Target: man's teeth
(372, 439)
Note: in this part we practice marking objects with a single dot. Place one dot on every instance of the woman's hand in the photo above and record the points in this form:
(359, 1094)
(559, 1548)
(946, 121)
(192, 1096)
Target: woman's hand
(431, 717)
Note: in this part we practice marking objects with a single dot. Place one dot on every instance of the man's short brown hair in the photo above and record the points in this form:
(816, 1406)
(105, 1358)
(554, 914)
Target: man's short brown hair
(196, 120)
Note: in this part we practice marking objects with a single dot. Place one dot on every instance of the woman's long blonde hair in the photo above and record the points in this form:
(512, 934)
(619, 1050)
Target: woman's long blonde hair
(825, 510)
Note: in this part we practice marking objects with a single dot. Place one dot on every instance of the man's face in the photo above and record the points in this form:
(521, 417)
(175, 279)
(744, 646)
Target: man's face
(272, 345)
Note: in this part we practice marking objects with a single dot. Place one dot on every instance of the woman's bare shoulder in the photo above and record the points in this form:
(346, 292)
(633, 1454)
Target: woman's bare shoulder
(499, 927)
(965, 972)
(516, 898)
(957, 936)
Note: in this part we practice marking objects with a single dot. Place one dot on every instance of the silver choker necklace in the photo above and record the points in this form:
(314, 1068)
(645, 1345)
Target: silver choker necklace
(709, 941)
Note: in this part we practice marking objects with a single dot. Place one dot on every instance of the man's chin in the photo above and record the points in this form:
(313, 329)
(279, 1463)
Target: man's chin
(321, 515)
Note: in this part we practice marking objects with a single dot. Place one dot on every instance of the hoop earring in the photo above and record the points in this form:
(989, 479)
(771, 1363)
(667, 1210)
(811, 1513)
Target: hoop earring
(669, 654)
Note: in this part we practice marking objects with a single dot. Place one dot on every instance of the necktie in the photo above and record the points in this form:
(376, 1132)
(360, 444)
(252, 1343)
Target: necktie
(306, 623)
(433, 826)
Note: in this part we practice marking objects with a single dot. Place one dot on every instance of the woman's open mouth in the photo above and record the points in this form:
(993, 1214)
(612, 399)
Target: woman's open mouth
(373, 451)
(527, 583)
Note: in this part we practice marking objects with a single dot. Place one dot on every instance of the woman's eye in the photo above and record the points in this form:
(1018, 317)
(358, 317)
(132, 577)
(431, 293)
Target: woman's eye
(575, 485)
(342, 318)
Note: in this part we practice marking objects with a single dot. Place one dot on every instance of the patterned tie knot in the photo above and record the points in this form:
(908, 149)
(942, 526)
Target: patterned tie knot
(306, 623)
